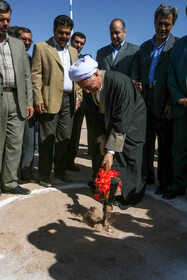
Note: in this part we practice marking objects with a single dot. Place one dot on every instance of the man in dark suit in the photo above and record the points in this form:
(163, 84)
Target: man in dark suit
(78, 40)
(149, 72)
(16, 101)
(25, 35)
(177, 83)
(119, 54)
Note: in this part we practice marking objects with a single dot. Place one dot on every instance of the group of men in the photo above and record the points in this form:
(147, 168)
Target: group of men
(126, 95)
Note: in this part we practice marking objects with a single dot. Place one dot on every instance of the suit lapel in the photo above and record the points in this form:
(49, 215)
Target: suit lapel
(109, 56)
(72, 56)
(167, 47)
(53, 51)
(147, 56)
(148, 53)
(121, 53)
(15, 61)
(14, 54)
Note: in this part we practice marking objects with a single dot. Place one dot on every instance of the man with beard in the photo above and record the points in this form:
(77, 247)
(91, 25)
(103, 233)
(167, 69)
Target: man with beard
(119, 118)
(55, 99)
(16, 100)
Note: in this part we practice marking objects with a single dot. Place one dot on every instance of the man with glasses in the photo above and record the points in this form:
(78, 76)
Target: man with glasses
(25, 35)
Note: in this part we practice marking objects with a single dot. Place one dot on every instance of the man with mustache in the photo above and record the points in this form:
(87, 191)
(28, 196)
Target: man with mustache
(55, 99)
(27, 157)
(149, 73)
(16, 102)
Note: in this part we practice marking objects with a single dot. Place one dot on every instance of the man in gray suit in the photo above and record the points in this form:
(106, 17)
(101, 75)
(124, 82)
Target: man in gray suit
(150, 74)
(119, 54)
(15, 102)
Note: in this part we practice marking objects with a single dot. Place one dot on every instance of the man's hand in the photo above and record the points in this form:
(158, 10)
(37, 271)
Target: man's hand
(183, 101)
(40, 108)
(107, 161)
(78, 103)
(168, 112)
(138, 85)
(30, 112)
(102, 147)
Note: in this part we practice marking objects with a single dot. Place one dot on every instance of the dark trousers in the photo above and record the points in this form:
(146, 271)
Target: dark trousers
(180, 153)
(27, 155)
(54, 136)
(75, 135)
(163, 129)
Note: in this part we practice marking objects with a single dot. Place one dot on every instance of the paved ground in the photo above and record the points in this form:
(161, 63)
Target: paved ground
(46, 236)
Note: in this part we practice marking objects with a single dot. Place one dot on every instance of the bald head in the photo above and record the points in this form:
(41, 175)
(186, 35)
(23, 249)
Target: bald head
(117, 32)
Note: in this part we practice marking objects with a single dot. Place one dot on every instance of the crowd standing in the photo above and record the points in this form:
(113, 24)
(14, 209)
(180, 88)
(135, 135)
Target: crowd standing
(130, 95)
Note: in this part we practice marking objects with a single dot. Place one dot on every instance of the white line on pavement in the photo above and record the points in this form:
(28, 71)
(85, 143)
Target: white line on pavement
(41, 191)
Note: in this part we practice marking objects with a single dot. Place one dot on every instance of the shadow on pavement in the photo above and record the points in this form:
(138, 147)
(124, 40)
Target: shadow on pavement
(138, 248)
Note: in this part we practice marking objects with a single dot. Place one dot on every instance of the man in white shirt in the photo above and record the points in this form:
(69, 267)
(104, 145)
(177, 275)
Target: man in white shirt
(55, 99)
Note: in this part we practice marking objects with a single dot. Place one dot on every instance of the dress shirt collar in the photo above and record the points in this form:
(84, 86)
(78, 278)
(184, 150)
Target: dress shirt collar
(119, 47)
(58, 47)
(158, 47)
(5, 40)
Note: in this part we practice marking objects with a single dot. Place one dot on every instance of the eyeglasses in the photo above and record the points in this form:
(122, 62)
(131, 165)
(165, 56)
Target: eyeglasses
(26, 39)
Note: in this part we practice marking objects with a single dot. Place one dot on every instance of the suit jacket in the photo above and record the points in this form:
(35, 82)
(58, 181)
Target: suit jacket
(123, 60)
(22, 75)
(177, 76)
(140, 71)
(48, 76)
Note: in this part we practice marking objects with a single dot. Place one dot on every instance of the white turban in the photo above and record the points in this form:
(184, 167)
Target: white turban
(82, 69)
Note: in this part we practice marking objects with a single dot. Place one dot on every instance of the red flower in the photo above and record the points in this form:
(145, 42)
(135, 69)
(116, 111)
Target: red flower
(102, 182)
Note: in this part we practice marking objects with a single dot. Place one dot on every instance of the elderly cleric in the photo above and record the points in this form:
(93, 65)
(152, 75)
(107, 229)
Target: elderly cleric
(119, 123)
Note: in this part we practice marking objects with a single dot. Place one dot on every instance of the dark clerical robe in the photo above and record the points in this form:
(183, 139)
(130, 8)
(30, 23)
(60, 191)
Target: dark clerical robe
(123, 124)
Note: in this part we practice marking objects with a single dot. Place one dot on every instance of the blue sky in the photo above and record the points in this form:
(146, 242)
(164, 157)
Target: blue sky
(93, 18)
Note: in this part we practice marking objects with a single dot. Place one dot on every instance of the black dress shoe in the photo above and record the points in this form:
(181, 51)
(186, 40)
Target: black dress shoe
(18, 190)
(63, 176)
(73, 167)
(171, 194)
(26, 178)
(161, 190)
(150, 181)
(45, 183)
(120, 202)
(91, 184)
